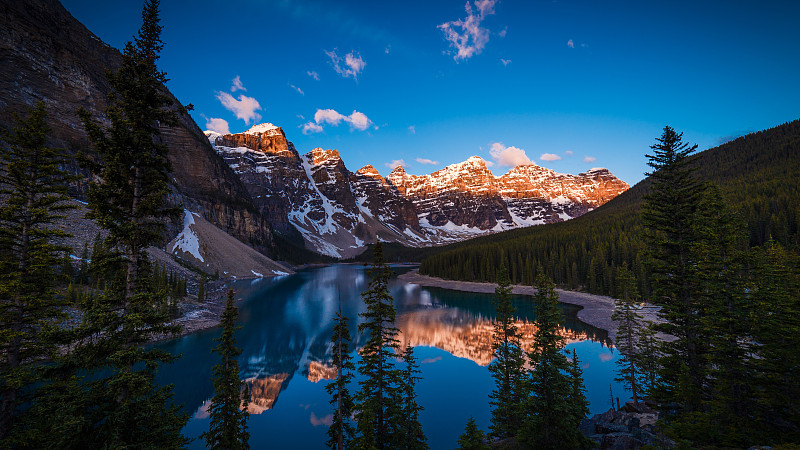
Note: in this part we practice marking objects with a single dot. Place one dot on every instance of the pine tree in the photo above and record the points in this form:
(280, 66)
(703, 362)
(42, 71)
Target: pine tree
(124, 405)
(378, 392)
(408, 426)
(507, 369)
(34, 191)
(201, 290)
(722, 288)
(556, 404)
(473, 437)
(668, 215)
(228, 409)
(577, 398)
(776, 304)
(340, 432)
(647, 359)
(628, 332)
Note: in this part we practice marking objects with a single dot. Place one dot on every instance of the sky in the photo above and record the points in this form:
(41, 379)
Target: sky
(569, 85)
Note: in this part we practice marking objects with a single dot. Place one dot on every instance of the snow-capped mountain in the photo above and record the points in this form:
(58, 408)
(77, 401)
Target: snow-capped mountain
(337, 211)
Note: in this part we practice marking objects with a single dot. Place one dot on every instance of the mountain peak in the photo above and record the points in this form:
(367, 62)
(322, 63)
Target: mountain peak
(265, 127)
(319, 156)
(398, 170)
(368, 170)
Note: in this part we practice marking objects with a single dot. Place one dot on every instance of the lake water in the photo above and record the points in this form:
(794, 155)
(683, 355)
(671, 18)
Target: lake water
(286, 328)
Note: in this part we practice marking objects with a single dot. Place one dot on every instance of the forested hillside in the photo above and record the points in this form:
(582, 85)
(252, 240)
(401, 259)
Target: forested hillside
(757, 173)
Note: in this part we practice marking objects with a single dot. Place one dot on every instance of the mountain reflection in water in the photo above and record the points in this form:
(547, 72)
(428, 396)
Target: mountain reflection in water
(285, 340)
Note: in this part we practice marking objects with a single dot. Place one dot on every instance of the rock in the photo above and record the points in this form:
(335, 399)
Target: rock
(623, 430)
(620, 441)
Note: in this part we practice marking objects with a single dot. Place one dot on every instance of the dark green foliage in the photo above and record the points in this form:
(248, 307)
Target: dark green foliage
(228, 409)
(131, 167)
(508, 367)
(121, 404)
(668, 217)
(379, 394)
(556, 404)
(776, 328)
(473, 437)
(629, 330)
(577, 398)
(33, 194)
(409, 430)
(201, 290)
(340, 432)
(756, 173)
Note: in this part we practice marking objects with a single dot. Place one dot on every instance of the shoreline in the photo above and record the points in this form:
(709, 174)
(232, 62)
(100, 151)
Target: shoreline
(596, 310)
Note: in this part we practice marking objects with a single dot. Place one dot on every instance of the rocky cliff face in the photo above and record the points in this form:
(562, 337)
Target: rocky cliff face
(468, 196)
(338, 211)
(46, 54)
(335, 210)
(462, 194)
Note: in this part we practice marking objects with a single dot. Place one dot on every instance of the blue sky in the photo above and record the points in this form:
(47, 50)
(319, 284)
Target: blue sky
(433, 83)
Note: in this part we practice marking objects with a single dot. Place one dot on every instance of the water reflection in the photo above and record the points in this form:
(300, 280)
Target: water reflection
(287, 323)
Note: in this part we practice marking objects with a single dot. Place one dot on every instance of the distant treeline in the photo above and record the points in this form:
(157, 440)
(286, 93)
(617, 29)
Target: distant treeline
(758, 175)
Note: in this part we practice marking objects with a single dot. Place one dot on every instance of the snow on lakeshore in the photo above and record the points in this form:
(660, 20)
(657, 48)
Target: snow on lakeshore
(187, 240)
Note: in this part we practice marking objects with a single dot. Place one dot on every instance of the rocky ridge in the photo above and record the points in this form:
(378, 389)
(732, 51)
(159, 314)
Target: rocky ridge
(337, 211)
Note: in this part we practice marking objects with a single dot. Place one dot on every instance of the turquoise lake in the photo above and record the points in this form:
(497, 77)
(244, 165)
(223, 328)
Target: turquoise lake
(285, 340)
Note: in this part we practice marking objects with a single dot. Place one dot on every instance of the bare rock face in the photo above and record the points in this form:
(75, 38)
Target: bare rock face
(536, 193)
(47, 55)
(271, 170)
(383, 200)
(337, 212)
(264, 137)
(463, 194)
(469, 195)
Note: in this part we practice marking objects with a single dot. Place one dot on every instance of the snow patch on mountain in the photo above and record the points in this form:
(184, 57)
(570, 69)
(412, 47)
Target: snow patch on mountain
(262, 128)
(187, 240)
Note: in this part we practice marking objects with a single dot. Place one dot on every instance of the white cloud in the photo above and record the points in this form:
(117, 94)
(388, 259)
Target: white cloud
(467, 35)
(569, 153)
(388, 49)
(503, 32)
(570, 44)
(427, 161)
(549, 157)
(311, 127)
(589, 159)
(218, 125)
(353, 64)
(508, 156)
(313, 74)
(357, 120)
(297, 89)
(237, 85)
(505, 61)
(396, 163)
(245, 108)
(412, 129)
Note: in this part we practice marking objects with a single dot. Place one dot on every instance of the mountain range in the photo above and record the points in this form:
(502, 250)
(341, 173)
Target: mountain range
(338, 211)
